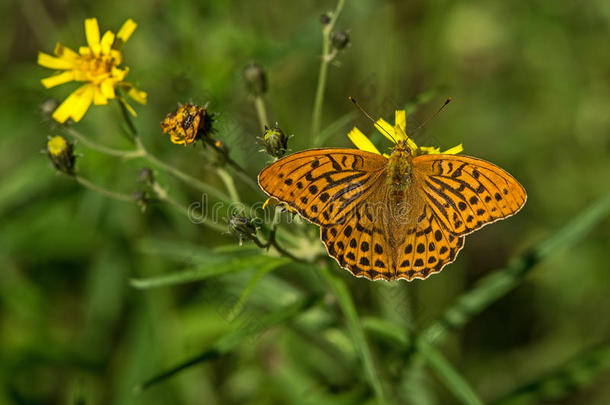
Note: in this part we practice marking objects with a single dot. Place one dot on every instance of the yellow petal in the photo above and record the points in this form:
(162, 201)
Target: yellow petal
(126, 30)
(138, 95)
(386, 129)
(76, 105)
(455, 150)
(84, 51)
(128, 107)
(52, 62)
(92, 32)
(361, 141)
(400, 119)
(106, 43)
(99, 98)
(107, 89)
(58, 79)
(430, 150)
(63, 52)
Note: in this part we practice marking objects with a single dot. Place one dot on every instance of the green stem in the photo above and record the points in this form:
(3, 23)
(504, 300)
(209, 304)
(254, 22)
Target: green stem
(229, 183)
(261, 111)
(103, 191)
(327, 57)
(125, 154)
(201, 186)
(164, 196)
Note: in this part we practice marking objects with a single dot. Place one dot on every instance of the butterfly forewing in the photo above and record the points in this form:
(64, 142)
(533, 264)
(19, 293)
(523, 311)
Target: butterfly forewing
(323, 185)
(466, 193)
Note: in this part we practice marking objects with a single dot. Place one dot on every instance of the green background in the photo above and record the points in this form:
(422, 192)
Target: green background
(531, 90)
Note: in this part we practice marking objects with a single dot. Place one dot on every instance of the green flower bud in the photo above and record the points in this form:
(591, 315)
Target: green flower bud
(61, 154)
(339, 39)
(275, 141)
(325, 19)
(241, 227)
(255, 79)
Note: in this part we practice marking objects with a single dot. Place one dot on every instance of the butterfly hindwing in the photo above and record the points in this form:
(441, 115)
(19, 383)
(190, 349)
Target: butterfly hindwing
(425, 248)
(466, 193)
(323, 184)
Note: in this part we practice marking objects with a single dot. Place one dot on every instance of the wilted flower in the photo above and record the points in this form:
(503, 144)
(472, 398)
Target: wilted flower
(275, 141)
(255, 79)
(97, 65)
(61, 154)
(187, 124)
(241, 227)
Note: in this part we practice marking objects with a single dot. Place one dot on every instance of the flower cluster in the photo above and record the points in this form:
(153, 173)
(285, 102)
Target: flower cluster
(97, 66)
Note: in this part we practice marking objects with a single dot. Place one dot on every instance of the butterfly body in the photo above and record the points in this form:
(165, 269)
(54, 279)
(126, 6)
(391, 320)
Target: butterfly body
(402, 217)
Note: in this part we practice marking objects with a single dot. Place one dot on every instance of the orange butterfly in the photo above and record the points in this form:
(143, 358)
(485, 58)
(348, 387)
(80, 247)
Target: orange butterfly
(401, 216)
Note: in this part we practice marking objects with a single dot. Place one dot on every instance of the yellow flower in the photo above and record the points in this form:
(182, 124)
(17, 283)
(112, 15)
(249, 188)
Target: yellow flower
(396, 133)
(97, 65)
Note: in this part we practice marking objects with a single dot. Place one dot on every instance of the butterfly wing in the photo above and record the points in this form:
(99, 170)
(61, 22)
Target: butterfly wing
(466, 193)
(323, 184)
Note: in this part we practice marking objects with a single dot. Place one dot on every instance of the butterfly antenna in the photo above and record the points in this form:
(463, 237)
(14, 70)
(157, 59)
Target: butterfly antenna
(353, 100)
(433, 115)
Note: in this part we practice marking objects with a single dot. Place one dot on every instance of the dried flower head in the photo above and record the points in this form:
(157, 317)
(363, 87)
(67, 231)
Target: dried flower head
(187, 124)
(241, 227)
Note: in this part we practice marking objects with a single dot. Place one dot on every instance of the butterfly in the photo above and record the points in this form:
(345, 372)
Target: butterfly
(397, 216)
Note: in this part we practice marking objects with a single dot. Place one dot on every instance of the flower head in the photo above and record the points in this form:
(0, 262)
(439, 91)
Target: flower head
(187, 124)
(96, 65)
(396, 133)
(61, 154)
(275, 141)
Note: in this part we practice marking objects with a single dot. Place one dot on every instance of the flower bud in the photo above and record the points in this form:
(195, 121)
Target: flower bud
(61, 154)
(339, 39)
(187, 124)
(325, 19)
(241, 227)
(48, 107)
(141, 198)
(146, 176)
(275, 141)
(255, 79)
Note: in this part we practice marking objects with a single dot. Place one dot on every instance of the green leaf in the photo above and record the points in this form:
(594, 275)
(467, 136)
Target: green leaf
(353, 323)
(204, 271)
(236, 336)
(497, 284)
(447, 374)
(577, 372)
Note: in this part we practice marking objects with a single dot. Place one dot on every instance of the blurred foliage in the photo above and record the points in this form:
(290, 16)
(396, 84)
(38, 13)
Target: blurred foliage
(531, 87)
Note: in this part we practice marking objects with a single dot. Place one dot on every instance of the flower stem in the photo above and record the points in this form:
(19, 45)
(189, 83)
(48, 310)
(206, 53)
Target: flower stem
(125, 154)
(201, 186)
(164, 196)
(261, 111)
(103, 191)
(327, 57)
(229, 183)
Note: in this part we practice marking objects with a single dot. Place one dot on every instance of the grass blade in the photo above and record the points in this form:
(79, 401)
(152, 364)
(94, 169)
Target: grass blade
(580, 370)
(501, 281)
(231, 340)
(447, 374)
(353, 323)
(206, 270)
